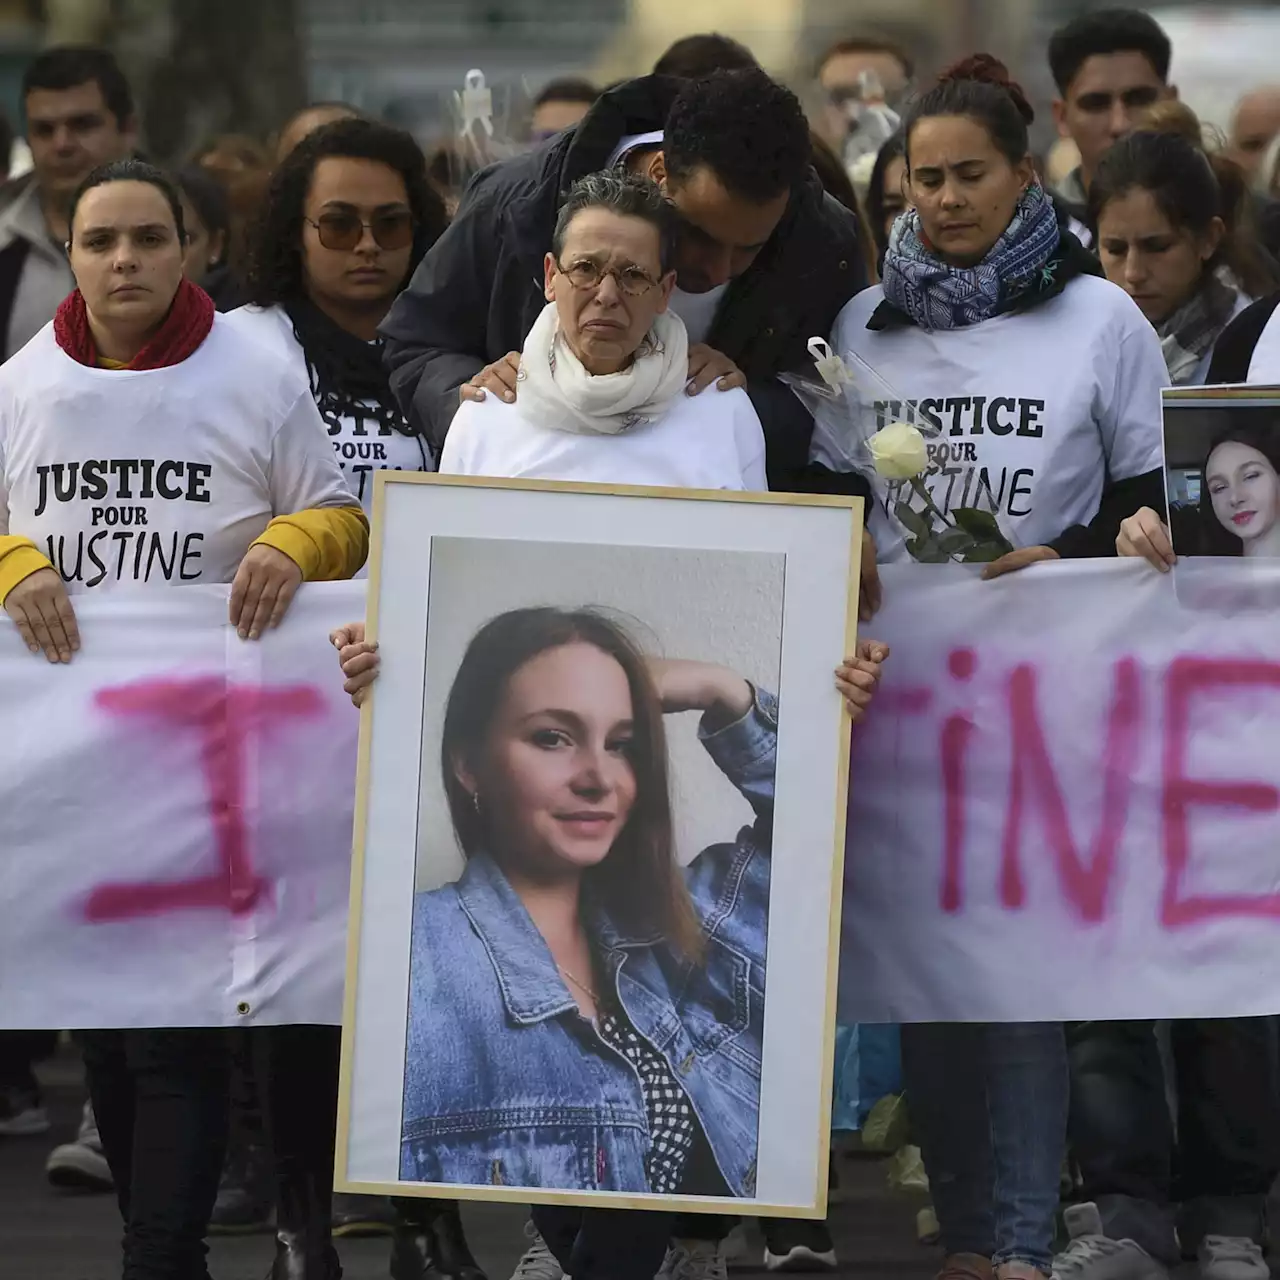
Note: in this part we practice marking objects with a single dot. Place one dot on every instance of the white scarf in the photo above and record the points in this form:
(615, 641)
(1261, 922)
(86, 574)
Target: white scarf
(556, 392)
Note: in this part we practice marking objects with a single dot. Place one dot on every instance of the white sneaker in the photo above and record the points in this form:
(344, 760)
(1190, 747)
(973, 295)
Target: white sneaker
(81, 1164)
(694, 1260)
(1231, 1258)
(538, 1263)
(1094, 1256)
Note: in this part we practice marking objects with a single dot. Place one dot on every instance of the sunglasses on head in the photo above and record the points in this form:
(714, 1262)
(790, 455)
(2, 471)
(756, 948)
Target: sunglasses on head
(345, 230)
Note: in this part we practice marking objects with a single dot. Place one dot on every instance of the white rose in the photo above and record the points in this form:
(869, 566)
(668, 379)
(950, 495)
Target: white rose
(899, 452)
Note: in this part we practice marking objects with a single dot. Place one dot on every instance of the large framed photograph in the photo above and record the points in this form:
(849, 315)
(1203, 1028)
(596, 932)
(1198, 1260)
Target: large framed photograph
(599, 845)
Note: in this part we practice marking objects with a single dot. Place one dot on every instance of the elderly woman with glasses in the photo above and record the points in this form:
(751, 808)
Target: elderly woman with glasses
(604, 372)
(604, 396)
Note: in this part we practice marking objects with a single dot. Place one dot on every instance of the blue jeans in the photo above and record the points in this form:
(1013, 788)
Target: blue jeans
(988, 1103)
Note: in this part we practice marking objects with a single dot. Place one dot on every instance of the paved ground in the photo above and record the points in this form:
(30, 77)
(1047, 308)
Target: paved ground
(48, 1235)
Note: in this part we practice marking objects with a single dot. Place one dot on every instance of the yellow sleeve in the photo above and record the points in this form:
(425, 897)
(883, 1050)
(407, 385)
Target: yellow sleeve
(19, 559)
(326, 543)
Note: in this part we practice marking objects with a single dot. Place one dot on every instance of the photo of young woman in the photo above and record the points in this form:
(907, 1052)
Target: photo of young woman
(1222, 482)
(1239, 512)
(598, 938)
(597, 993)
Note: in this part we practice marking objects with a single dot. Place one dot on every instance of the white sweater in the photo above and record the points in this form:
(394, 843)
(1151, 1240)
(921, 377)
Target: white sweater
(710, 441)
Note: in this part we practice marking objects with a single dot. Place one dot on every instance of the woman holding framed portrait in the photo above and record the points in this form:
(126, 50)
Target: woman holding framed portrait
(602, 398)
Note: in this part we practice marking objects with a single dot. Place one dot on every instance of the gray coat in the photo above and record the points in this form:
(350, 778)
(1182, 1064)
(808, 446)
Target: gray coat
(35, 275)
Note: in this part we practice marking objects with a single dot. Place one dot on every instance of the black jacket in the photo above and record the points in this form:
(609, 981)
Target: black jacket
(1233, 352)
(478, 291)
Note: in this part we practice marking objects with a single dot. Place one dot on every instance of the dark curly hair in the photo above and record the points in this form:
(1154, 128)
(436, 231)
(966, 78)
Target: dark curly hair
(745, 127)
(347, 374)
(275, 244)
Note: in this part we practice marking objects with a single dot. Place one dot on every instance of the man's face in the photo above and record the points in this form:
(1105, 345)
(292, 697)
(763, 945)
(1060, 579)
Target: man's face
(1105, 101)
(841, 82)
(71, 132)
(720, 233)
(1256, 123)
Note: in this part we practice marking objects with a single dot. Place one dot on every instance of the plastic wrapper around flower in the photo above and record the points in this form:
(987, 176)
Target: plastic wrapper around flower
(850, 403)
(489, 123)
(863, 423)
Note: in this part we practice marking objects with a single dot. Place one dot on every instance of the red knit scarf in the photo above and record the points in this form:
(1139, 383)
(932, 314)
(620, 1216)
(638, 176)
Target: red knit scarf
(185, 327)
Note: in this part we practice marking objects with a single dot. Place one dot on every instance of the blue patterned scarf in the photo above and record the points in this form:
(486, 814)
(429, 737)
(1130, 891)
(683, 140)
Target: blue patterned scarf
(938, 296)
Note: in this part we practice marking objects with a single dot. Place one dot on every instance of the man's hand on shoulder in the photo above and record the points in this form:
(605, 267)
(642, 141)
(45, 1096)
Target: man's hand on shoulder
(498, 377)
(706, 365)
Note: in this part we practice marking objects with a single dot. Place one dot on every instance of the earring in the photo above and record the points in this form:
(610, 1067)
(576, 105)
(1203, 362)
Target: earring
(475, 802)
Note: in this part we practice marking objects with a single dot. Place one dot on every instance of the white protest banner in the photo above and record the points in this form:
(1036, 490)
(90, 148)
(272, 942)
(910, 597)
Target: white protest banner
(175, 816)
(1065, 804)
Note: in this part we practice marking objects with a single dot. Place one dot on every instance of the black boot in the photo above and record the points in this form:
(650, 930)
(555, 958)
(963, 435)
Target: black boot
(304, 1246)
(430, 1244)
(244, 1204)
(301, 1258)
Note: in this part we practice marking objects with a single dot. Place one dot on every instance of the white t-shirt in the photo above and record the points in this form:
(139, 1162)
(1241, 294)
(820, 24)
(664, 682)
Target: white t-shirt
(1264, 363)
(629, 143)
(125, 477)
(1036, 409)
(710, 441)
(361, 444)
(697, 310)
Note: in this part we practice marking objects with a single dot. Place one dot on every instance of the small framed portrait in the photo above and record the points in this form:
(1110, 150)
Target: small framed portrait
(1222, 471)
(598, 847)
(1222, 489)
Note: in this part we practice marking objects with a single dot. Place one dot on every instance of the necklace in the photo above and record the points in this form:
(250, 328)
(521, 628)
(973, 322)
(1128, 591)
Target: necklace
(577, 982)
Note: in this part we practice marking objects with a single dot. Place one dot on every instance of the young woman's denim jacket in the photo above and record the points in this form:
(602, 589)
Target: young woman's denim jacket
(506, 1083)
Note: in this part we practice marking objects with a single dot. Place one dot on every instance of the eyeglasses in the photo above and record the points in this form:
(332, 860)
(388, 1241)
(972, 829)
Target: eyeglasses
(346, 230)
(585, 274)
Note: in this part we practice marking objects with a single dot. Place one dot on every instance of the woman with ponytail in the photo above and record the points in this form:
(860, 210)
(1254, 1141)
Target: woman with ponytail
(1037, 387)
(1173, 226)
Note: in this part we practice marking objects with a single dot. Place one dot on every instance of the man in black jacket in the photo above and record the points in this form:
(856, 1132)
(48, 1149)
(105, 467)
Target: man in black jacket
(765, 259)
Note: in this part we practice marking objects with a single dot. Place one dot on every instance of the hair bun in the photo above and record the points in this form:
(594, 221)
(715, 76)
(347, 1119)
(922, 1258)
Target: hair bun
(987, 69)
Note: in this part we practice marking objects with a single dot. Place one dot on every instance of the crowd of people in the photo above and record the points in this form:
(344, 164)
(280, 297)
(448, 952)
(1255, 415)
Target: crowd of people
(623, 302)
